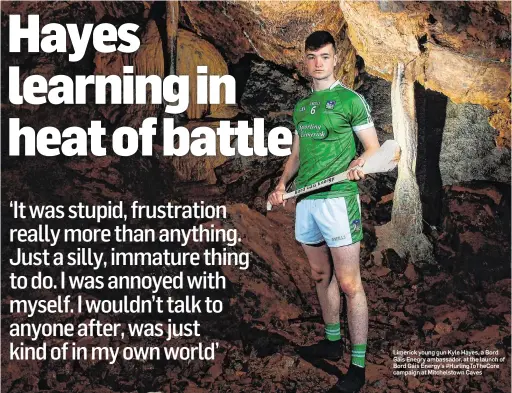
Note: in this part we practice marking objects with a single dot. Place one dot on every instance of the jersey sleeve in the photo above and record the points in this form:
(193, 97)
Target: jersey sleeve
(360, 114)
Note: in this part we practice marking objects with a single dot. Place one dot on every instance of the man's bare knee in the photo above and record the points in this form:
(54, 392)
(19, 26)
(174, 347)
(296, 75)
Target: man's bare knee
(319, 261)
(351, 287)
(320, 276)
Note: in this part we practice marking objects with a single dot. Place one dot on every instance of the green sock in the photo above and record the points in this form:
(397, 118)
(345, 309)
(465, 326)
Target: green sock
(358, 354)
(332, 331)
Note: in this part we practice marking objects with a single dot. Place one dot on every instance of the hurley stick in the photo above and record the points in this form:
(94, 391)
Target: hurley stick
(383, 160)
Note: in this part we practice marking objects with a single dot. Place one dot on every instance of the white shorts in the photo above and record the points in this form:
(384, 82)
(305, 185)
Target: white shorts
(337, 221)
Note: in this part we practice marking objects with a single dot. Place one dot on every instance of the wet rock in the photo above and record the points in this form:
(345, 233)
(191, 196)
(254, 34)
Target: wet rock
(216, 370)
(105, 9)
(278, 367)
(395, 383)
(376, 372)
(149, 58)
(277, 263)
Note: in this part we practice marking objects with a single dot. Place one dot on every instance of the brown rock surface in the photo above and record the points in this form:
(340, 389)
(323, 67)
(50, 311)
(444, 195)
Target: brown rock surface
(410, 273)
(288, 266)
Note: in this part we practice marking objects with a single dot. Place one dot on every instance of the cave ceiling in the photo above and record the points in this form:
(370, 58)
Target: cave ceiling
(460, 49)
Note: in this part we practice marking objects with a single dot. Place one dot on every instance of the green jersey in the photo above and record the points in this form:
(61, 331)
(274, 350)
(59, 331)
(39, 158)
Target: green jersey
(326, 121)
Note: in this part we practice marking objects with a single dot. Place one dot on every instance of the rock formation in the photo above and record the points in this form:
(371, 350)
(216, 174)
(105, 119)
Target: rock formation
(404, 233)
(460, 49)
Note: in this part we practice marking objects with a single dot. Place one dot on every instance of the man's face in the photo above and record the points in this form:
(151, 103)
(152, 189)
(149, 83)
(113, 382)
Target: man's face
(320, 63)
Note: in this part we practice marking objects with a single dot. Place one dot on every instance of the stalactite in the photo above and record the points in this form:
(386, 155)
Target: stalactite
(171, 24)
(404, 233)
(407, 212)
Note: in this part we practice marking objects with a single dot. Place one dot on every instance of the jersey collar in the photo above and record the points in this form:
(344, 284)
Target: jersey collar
(336, 83)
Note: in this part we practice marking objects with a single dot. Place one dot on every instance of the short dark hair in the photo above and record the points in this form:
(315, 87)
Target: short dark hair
(318, 39)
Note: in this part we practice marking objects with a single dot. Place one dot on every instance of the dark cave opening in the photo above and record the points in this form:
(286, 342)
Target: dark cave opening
(431, 116)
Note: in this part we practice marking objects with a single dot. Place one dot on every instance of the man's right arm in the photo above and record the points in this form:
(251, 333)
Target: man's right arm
(290, 169)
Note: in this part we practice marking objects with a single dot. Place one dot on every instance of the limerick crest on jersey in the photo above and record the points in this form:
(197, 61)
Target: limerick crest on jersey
(330, 104)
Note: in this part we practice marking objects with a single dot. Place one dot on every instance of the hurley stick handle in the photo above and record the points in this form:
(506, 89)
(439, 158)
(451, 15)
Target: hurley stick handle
(383, 160)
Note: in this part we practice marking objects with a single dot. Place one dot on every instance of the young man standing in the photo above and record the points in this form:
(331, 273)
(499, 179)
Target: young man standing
(328, 221)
